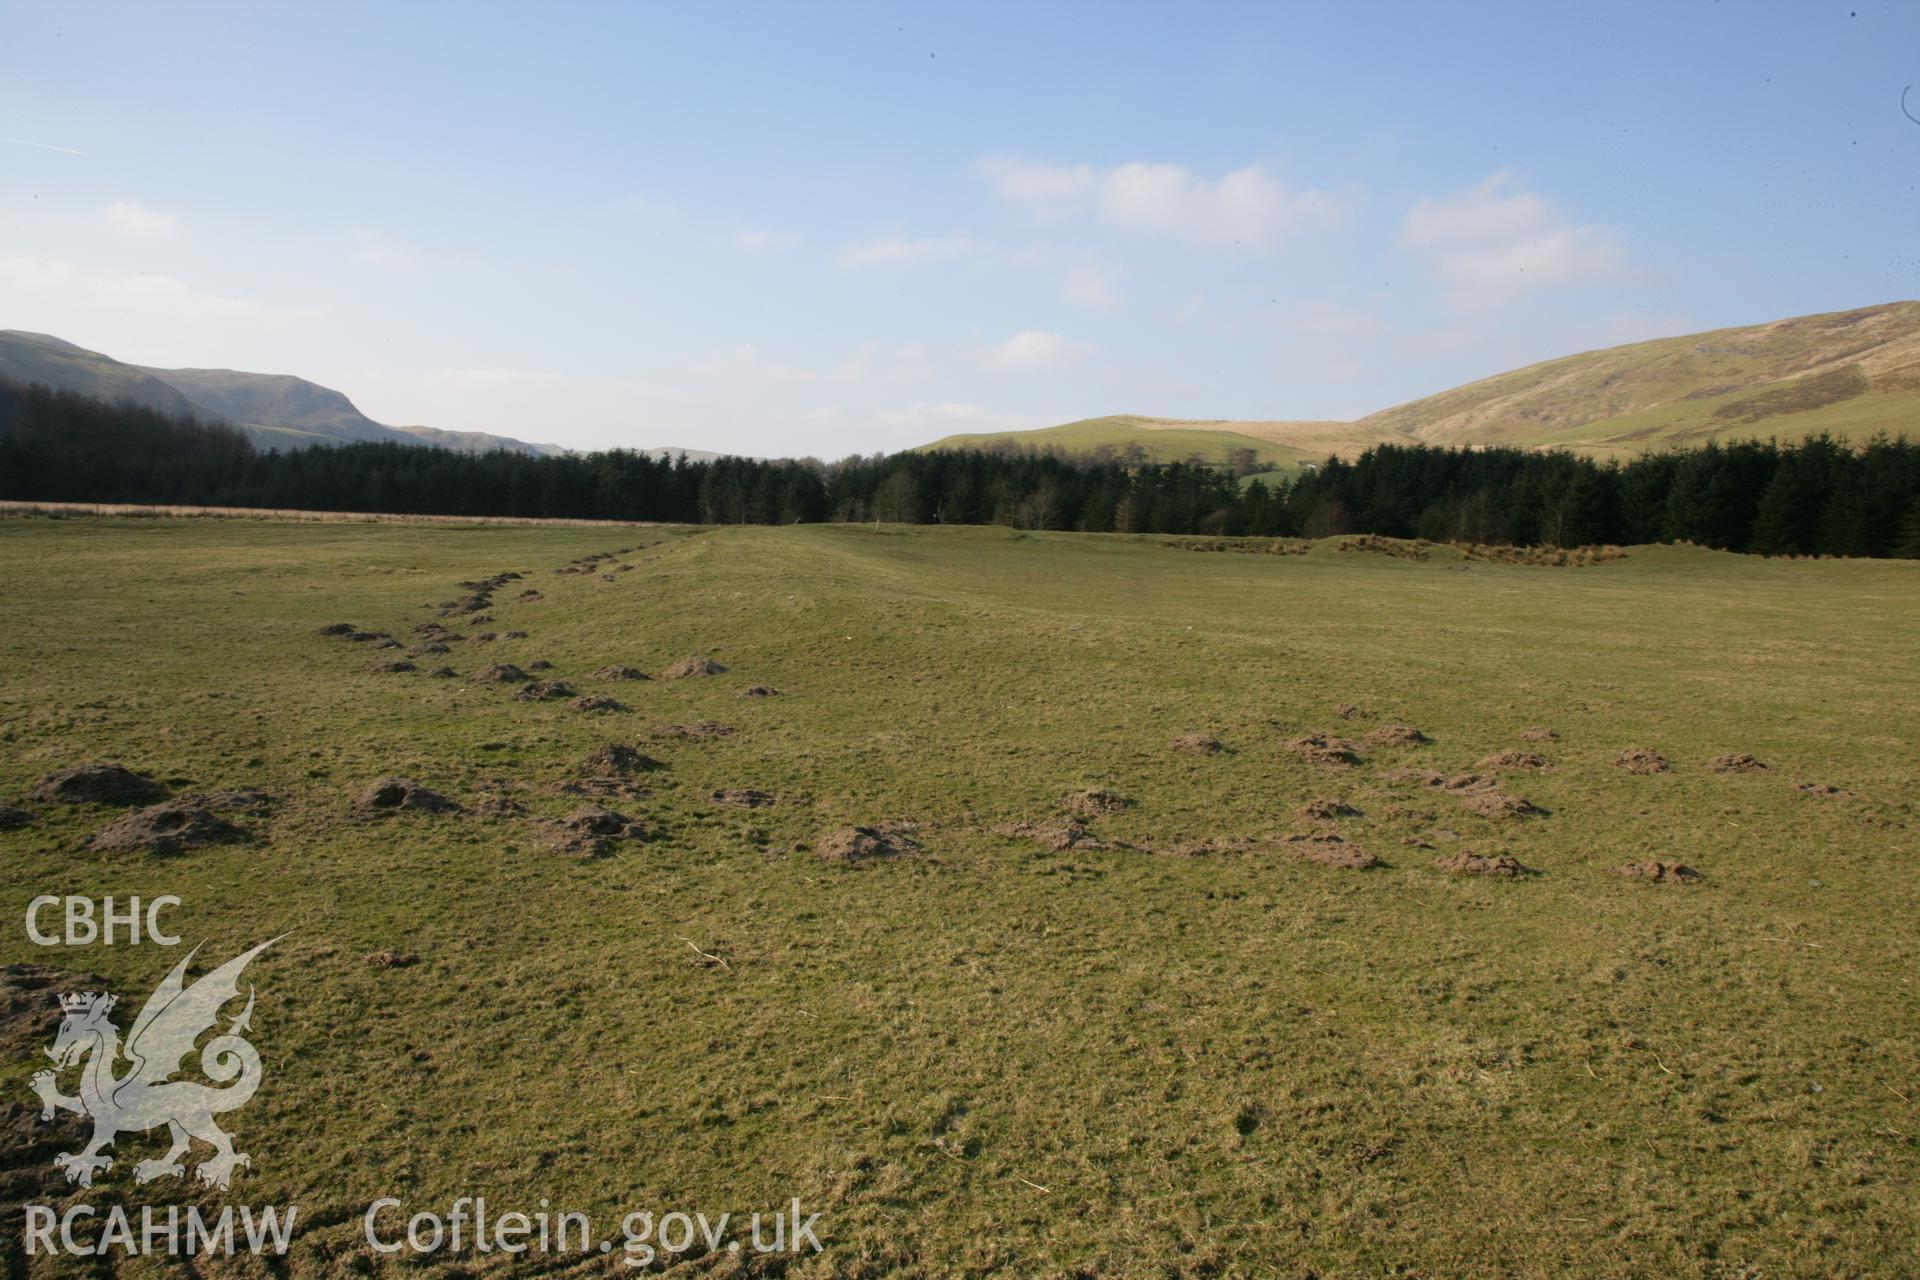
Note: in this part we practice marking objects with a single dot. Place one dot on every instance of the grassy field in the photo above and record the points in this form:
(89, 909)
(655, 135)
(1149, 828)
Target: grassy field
(989, 1058)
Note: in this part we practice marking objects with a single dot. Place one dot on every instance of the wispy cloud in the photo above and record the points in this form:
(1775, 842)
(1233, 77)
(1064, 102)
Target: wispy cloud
(762, 239)
(137, 222)
(1494, 242)
(1091, 286)
(893, 251)
(1032, 349)
(1248, 208)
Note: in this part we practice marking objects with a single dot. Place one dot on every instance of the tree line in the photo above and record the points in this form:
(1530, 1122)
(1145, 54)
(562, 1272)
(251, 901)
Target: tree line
(1817, 496)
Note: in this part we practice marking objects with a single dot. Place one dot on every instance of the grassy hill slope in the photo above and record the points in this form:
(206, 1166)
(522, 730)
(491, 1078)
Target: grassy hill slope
(1280, 446)
(1852, 371)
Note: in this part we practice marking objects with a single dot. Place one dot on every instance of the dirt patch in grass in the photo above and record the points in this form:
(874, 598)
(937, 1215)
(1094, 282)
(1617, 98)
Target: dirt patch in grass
(1055, 835)
(1538, 733)
(1197, 744)
(1321, 748)
(1395, 735)
(620, 671)
(499, 673)
(544, 691)
(690, 668)
(1740, 762)
(618, 760)
(392, 795)
(741, 798)
(699, 730)
(1466, 863)
(1352, 711)
(399, 666)
(853, 845)
(247, 799)
(1325, 849)
(1413, 777)
(1325, 809)
(532, 595)
(1642, 760)
(1820, 789)
(98, 784)
(1515, 761)
(12, 816)
(1093, 802)
(170, 827)
(1496, 805)
(759, 691)
(597, 704)
(338, 629)
(443, 673)
(1658, 872)
(430, 647)
(391, 959)
(590, 831)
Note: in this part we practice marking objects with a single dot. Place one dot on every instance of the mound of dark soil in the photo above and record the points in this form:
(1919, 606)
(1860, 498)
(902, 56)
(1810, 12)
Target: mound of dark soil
(1658, 872)
(1821, 789)
(1642, 760)
(443, 673)
(1395, 735)
(499, 673)
(390, 795)
(98, 784)
(1319, 748)
(483, 637)
(383, 642)
(590, 831)
(688, 668)
(169, 827)
(595, 703)
(866, 844)
(1740, 763)
(479, 602)
(700, 730)
(1538, 733)
(532, 595)
(399, 666)
(12, 816)
(431, 630)
(513, 635)
(392, 959)
(1520, 760)
(741, 798)
(1483, 864)
(759, 691)
(1325, 808)
(543, 691)
(431, 646)
(539, 664)
(1056, 835)
(620, 671)
(1348, 711)
(1496, 805)
(617, 760)
(339, 629)
(1094, 802)
(1197, 744)
(1325, 849)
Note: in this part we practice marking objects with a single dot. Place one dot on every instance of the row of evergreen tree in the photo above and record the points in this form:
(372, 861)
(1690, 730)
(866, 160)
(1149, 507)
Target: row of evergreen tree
(1817, 496)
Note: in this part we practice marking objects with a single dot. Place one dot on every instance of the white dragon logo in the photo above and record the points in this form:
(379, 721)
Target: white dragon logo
(145, 1097)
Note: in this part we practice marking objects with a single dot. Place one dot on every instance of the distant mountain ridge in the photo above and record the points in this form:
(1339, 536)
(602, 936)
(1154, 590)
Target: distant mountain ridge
(274, 410)
(1848, 373)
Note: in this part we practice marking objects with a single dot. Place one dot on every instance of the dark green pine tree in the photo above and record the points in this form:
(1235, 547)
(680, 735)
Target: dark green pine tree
(1908, 545)
(1777, 522)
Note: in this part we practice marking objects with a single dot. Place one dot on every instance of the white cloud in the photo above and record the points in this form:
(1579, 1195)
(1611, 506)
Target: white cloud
(1031, 349)
(1492, 242)
(761, 239)
(954, 418)
(1091, 286)
(137, 222)
(1247, 208)
(893, 251)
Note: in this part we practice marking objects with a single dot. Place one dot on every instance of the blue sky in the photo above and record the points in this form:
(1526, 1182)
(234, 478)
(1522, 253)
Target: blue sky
(837, 228)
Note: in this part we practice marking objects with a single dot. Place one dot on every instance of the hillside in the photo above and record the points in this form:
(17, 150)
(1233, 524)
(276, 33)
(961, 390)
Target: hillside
(1850, 373)
(276, 411)
(1275, 446)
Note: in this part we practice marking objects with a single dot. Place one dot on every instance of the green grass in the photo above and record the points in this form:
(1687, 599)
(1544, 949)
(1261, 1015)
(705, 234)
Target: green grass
(993, 1060)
